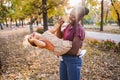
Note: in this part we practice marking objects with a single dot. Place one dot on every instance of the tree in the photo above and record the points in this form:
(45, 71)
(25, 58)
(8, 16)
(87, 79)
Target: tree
(94, 13)
(3, 12)
(116, 5)
(44, 12)
(101, 25)
(33, 8)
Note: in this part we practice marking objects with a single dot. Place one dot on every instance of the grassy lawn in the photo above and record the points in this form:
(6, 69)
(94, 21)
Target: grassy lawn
(20, 63)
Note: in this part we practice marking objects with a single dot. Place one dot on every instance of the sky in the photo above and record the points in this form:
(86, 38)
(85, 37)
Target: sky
(74, 2)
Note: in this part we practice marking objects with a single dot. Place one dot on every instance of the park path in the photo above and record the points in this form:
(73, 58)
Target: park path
(103, 36)
(90, 34)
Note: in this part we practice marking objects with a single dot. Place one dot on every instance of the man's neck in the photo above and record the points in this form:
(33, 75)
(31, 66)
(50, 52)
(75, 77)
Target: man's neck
(74, 25)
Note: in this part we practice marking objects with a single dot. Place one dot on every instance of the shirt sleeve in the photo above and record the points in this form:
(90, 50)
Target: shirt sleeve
(80, 32)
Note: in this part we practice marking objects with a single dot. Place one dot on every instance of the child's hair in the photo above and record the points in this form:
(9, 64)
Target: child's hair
(26, 42)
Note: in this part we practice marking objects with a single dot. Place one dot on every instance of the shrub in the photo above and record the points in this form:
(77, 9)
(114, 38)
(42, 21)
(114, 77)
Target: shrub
(104, 45)
(98, 23)
(107, 44)
(40, 30)
(117, 48)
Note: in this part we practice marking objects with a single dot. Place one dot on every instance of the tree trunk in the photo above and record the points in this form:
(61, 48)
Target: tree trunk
(44, 10)
(83, 4)
(106, 16)
(119, 22)
(6, 23)
(22, 23)
(1, 26)
(19, 23)
(101, 25)
(10, 22)
(0, 68)
(32, 20)
(16, 23)
(118, 16)
(31, 27)
(37, 23)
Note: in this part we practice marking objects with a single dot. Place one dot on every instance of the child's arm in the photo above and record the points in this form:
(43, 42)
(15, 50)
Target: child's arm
(39, 44)
(54, 29)
(42, 43)
(49, 45)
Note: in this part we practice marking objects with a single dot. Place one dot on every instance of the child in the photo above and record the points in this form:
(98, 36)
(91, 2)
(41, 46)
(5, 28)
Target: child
(51, 42)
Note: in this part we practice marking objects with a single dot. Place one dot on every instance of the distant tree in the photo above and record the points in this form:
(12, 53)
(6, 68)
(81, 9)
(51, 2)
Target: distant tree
(101, 24)
(116, 6)
(94, 14)
(3, 12)
(33, 8)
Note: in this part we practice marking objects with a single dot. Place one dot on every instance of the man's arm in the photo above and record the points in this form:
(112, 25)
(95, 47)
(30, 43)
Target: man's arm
(76, 44)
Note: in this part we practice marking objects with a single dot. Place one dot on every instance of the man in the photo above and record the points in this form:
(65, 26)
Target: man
(71, 63)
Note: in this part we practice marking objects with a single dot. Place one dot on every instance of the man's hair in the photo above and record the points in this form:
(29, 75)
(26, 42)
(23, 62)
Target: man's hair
(86, 11)
(80, 10)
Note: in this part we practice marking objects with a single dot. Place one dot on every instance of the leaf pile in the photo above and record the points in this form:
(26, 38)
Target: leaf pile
(20, 63)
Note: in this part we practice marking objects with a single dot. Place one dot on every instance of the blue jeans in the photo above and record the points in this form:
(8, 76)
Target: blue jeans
(70, 67)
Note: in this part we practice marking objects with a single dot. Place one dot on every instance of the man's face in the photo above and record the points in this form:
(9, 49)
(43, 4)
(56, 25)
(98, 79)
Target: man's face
(75, 17)
(72, 19)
